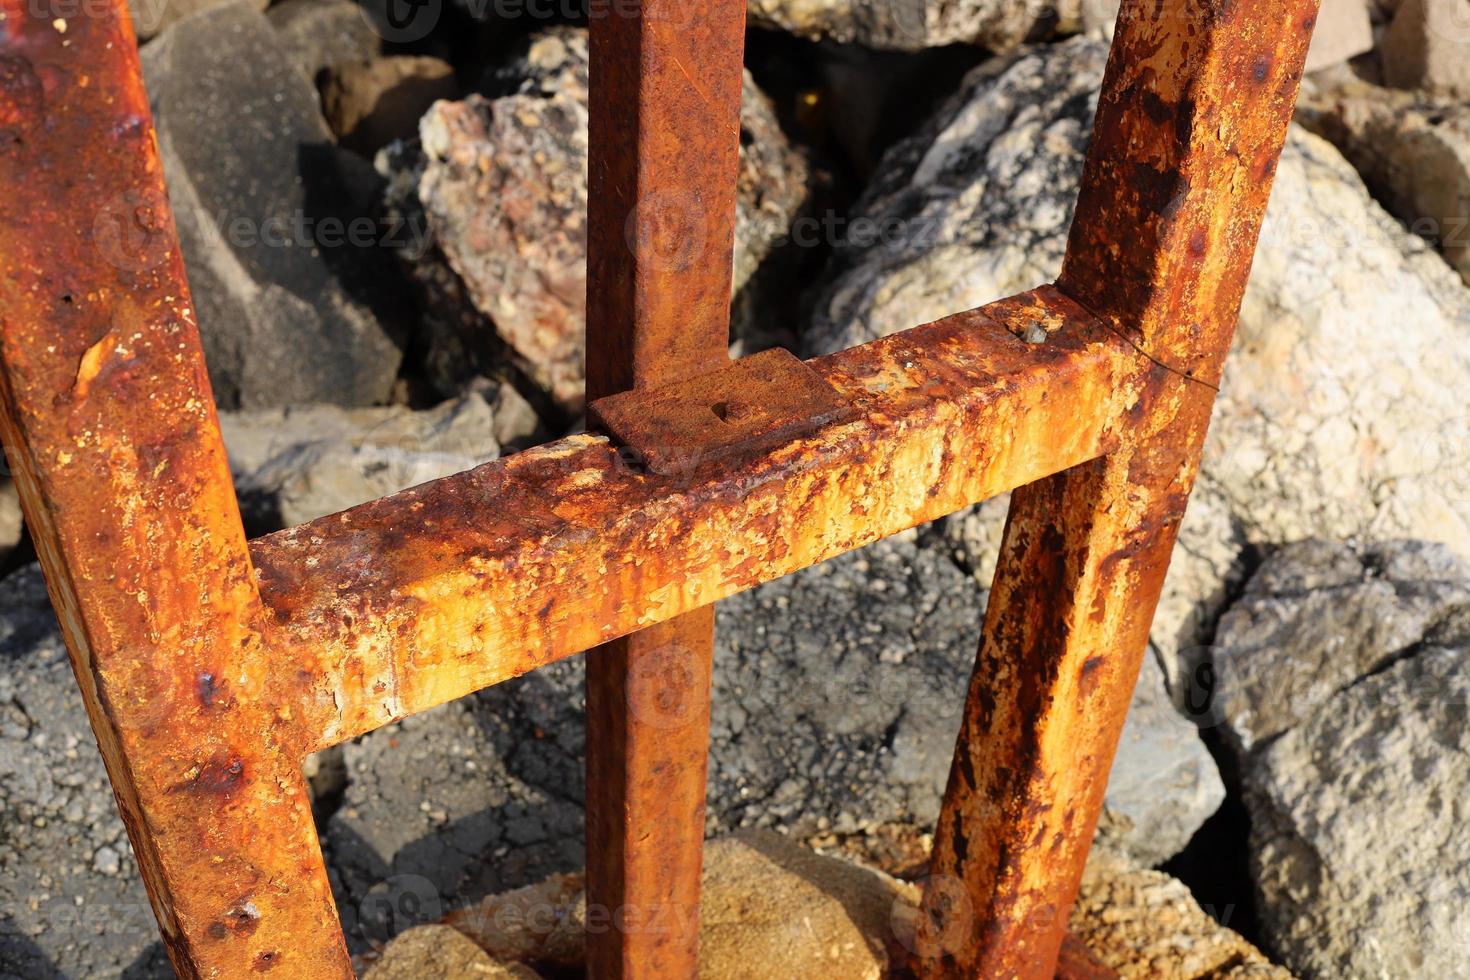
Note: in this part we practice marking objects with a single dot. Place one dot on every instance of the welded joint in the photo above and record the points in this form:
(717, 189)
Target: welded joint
(743, 409)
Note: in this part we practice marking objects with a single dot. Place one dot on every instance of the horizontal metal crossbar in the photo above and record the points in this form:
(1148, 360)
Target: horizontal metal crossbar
(410, 601)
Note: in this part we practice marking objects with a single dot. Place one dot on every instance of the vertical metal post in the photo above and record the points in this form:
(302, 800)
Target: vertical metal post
(109, 424)
(665, 122)
(1195, 106)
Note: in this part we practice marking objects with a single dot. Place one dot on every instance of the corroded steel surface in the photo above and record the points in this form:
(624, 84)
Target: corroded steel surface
(210, 668)
(404, 603)
(109, 426)
(1192, 117)
(664, 144)
(754, 404)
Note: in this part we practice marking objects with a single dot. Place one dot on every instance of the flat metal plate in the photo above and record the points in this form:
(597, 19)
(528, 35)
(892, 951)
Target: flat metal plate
(753, 404)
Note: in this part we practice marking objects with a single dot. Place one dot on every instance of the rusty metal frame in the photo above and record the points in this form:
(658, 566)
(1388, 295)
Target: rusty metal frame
(211, 666)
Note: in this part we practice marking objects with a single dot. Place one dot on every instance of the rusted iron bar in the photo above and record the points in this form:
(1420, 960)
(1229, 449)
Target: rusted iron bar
(413, 600)
(1194, 110)
(109, 425)
(665, 82)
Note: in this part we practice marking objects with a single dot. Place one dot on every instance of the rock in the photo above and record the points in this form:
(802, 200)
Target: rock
(771, 908)
(297, 464)
(1360, 846)
(12, 524)
(150, 17)
(541, 923)
(1164, 784)
(1413, 149)
(463, 801)
(501, 186)
(1317, 618)
(1311, 435)
(912, 25)
(317, 34)
(1344, 30)
(768, 908)
(73, 904)
(1427, 46)
(838, 691)
(371, 102)
(1145, 924)
(286, 271)
(444, 953)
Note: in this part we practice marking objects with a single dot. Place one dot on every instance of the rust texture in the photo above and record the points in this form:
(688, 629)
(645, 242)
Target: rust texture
(404, 603)
(665, 82)
(109, 425)
(754, 404)
(1194, 110)
(210, 668)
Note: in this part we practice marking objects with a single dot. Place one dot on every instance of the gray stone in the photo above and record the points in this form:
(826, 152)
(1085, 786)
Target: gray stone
(317, 34)
(1427, 46)
(71, 902)
(150, 17)
(838, 692)
(1413, 149)
(285, 268)
(500, 186)
(1311, 435)
(1164, 784)
(1360, 846)
(463, 801)
(912, 25)
(1317, 618)
(297, 464)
